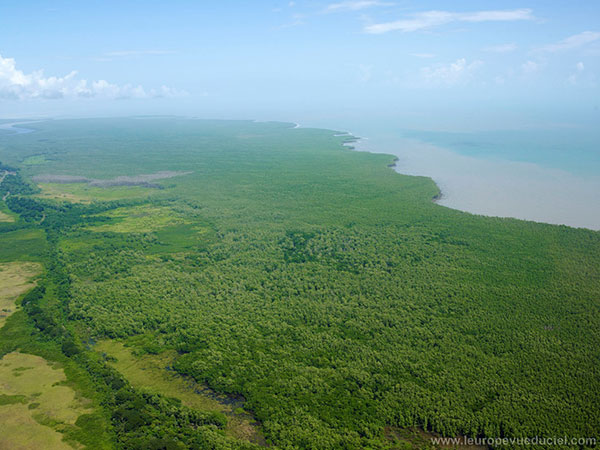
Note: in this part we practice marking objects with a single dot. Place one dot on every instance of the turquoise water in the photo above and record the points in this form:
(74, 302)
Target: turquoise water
(558, 141)
(574, 150)
(549, 173)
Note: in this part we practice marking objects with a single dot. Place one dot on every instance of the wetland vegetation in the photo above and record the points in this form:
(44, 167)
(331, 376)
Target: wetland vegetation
(282, 290)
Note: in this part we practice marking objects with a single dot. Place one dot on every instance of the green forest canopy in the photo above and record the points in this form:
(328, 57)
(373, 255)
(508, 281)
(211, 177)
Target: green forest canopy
(315, 281)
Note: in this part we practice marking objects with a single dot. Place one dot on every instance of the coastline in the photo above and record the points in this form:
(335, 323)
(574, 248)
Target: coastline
(492, 187)
(12, 127)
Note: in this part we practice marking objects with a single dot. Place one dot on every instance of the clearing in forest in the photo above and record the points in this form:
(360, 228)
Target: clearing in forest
(35, 160)
(151, 372)
(5, 217)
(84, 193)
(139, 219)
(35, 405)
(15, 279)
(5, 214)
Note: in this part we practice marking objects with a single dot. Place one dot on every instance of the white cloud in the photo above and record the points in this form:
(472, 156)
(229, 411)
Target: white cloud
(573, 42)
(574, 78)
(17, 85)
(431, 19)
(502, 48)
(297, 19)
(530, 67)
(457, 72)
(423, 55)
(496, 16)
(355, 5)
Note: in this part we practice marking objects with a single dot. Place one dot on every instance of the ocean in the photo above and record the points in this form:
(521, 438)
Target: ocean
(545, 174)
(576, 150)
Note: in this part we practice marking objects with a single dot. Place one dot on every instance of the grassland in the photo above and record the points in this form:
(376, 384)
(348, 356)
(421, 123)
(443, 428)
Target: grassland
(22, 245)
(317, 283)
(37, 405)
(154, 373)
(16, 278)
(5, 214)
(83, 193)
(140, 219)
(5, 217)
(34, 160)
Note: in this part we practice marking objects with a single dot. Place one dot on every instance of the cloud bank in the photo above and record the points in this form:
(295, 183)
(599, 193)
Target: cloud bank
(17, 85)
(431, 19)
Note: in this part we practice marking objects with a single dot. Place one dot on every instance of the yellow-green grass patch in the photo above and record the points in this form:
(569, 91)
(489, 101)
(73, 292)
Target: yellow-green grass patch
(35, 160)
(139, 219)
(43, 405)
(5, 214)
(150, 372)
(5, 217)
(16, 278)
(83, 193)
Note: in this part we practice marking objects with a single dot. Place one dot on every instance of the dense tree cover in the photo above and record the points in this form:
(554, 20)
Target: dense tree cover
(380, 337)
(136, 419)
(322, 286)
(4, 167)
(14, 185)
(129, 418)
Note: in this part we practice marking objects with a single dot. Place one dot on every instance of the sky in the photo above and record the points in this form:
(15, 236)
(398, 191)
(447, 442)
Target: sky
(430, 64)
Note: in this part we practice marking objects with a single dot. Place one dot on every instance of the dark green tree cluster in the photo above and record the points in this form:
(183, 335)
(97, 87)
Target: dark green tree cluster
(144, 421)
(13, 184)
